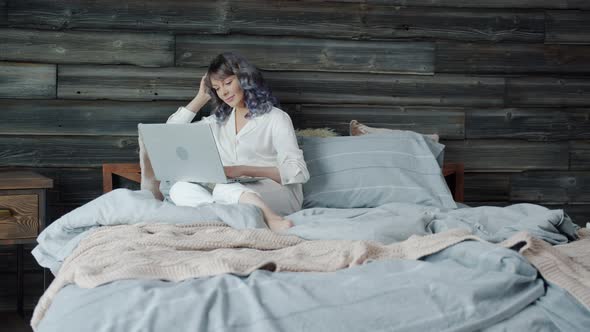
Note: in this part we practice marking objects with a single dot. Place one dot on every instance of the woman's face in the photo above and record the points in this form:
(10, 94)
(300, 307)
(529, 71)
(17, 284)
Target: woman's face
(229, 90)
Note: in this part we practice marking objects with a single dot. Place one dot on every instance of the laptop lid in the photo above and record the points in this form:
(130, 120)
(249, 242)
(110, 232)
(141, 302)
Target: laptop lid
(183, 152)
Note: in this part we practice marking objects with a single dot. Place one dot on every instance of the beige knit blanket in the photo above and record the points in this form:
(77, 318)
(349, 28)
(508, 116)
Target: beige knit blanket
(178, 252)
(566, 265)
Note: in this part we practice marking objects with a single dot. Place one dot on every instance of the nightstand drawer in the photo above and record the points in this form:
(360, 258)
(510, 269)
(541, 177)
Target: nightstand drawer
(19, 216)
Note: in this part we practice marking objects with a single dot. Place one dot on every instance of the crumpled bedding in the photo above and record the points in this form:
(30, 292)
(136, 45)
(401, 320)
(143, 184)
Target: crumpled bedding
(468, 286)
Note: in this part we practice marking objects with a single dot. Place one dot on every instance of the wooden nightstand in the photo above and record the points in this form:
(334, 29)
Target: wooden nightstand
(22, 216)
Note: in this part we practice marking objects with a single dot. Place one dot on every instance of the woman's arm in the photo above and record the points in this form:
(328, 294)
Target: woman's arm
(291, 166)
(187, 114)
(201, 98)
(198, 102)
(290, 162)
(242, 170)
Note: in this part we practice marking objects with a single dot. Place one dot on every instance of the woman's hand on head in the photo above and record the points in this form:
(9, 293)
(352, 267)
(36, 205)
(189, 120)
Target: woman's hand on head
(202, 97)
(203, 89)
(233, 171)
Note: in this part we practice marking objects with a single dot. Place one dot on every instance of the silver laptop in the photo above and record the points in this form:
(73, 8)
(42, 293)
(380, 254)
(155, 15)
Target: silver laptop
(185, 152)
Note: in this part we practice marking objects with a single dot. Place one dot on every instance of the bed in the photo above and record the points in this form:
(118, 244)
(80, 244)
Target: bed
(454, 174)
(381, 245)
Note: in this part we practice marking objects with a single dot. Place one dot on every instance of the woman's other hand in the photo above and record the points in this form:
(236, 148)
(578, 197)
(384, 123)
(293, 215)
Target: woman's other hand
(233, 171)
(269, 172)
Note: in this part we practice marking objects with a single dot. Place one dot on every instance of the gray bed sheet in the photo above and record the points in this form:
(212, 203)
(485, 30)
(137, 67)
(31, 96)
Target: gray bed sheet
(469, 286)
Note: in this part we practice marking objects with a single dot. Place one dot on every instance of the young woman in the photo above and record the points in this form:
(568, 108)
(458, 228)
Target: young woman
(254, 138)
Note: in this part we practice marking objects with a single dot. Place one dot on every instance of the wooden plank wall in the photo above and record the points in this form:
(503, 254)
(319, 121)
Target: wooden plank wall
(505, 83)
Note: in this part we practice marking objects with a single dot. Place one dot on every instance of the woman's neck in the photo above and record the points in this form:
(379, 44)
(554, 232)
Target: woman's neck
(242, 110)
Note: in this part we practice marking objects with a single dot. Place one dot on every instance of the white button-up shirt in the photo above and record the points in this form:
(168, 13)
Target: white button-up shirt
(266, 140)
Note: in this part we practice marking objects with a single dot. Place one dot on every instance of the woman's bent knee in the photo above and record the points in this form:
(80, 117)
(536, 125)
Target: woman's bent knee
(229, 193)
(189, 194)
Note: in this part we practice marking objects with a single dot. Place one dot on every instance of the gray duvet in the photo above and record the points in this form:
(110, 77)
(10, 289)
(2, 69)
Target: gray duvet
(469, 286)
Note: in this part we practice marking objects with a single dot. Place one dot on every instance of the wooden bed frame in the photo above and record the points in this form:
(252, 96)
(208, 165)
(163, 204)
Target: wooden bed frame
(453, 173)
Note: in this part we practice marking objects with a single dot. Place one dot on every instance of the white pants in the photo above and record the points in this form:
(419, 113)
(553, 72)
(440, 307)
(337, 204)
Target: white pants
(283, 200)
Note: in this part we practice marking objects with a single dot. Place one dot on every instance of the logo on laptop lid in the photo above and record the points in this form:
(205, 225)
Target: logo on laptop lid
(182, 153)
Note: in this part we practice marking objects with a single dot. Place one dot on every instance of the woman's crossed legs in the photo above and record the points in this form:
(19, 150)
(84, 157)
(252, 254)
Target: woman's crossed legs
(268, 195)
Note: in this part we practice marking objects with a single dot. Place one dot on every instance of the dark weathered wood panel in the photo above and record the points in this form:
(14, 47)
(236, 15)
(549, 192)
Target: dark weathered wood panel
(292, 18)
(142, 49)
(481, 187)
(8, 260)
(357, 20)
(507, 155)
(75, 117)
(27, 80)
(511, 58)
(71, 186)
(547, 91)
(272, 53)
(133, 83)
(579, 212)
(567, 27)
(3, 13)
(580, 155)
(445, 121)
(56, 211)
(202, 16)
(488, 203)
(455, 24)
(295, 18)
(486, 3)
(337, 88)
(33, 281)
(550, 187)
(127, 82)
(535, 124)
(78, 186)
(73, 151)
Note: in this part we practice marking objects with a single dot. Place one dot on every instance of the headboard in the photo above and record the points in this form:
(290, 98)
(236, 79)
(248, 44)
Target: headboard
(453, 173)
(111, 171)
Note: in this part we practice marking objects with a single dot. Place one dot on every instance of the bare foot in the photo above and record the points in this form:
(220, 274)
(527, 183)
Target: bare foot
(279, 224)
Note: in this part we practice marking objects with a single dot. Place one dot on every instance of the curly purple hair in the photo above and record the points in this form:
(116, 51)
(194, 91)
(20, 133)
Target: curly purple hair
(257, 94)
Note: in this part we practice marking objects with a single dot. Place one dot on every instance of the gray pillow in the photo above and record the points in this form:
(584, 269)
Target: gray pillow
(372, 170)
